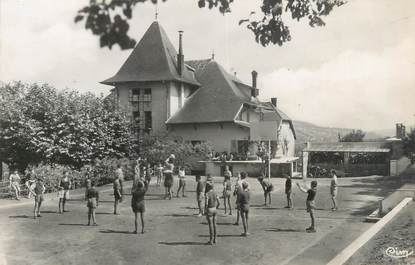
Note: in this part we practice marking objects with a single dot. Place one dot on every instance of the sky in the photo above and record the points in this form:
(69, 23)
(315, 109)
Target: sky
(356, 72)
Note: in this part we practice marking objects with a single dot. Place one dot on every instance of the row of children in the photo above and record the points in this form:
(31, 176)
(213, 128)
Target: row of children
(206, 190)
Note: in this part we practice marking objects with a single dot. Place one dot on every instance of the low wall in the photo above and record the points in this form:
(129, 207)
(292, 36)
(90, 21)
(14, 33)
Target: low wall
(253, 169)
(356, 170)
(388, 203)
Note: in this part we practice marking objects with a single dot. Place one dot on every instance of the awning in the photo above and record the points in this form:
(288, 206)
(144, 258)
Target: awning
(353, 147)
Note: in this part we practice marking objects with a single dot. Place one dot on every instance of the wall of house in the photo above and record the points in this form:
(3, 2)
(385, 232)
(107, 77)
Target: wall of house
(286, 140)
(175, 98)
(159, 101)
(167, 98)
(220, 135)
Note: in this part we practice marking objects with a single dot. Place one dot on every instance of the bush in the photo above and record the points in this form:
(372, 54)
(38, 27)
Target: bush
(156, 149)
(101, 172)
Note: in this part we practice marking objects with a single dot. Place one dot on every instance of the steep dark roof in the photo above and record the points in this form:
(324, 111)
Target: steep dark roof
(283, 116)
(153, 59)
(217, 100)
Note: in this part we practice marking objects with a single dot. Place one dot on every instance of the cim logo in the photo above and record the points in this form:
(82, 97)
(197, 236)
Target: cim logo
(394, 252)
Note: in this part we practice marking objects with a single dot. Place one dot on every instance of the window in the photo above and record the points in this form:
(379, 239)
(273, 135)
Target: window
(136, 95)
(194, 143)
(147, 94)
(147, 120)
(243, 147)
(136, 116)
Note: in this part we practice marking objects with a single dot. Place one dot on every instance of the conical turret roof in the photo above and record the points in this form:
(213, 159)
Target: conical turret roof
(153, 59)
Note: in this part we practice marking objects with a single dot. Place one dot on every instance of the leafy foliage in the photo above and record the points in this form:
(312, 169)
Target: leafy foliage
(353, 136)
(409, 145)
(101, 172)
(40, 123)
(157, 148)
(109, 19)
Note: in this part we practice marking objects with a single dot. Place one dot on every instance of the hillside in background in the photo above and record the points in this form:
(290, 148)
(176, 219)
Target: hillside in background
(306, 131)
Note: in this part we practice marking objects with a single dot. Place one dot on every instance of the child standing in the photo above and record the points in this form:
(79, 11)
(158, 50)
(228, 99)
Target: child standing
(227, 189)
(168, 176)
(211, 205)
(333, 189)
(288, 189)
(267, 187)
(149, 173)
(63, 194)
(159, 172)
(138, 205)
(199, 194)
(118, 189)
(310, 204)
(15, 184)
(37, 192)
(244, 198)
(92, 196)
(182, 181)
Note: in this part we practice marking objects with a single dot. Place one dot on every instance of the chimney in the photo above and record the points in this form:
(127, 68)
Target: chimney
(254, 91)
(400, 131)
(274, 102)
(180, 56)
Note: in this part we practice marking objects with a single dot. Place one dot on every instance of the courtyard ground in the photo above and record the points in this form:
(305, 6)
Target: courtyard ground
(176, 235)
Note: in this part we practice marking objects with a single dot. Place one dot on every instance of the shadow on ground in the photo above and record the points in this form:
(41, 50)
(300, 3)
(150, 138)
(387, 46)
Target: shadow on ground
(110, 231)
(74, 224)
(185, 243)
(284, 230)
(20, 216)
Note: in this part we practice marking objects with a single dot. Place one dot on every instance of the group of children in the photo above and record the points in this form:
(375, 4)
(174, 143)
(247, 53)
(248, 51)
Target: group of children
(207, 198)
(242, 193)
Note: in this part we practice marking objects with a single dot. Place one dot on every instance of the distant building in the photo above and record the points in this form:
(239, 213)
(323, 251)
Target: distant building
(358, 158)
(194, 101)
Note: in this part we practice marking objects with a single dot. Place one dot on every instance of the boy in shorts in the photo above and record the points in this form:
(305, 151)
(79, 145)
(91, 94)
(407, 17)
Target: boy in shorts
(333, 189)
(200, 188)
(267, 187)
(168, 176)
(117, 185)
(244, 198)
(310, 204)
(182, 181)
(159, 173)
(211, 204)
(288, 190)
(138, 204)
(37, 193)
(63, 193)
(227, 189)
(15, 184)
(92, 196)
(149, 174)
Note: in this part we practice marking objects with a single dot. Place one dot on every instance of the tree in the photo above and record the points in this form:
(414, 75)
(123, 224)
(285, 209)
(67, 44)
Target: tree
(39, 123)
(353, 136)
(157, 148)
(409, 145)
(109, 19)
